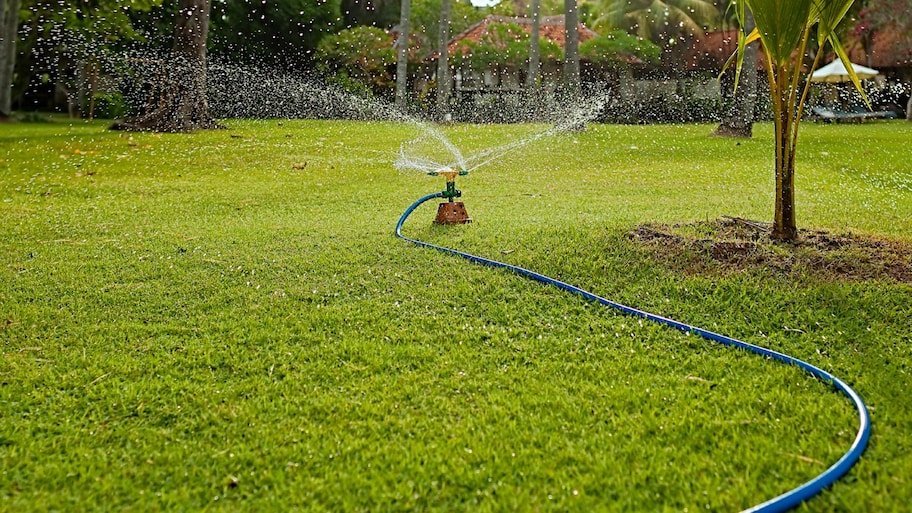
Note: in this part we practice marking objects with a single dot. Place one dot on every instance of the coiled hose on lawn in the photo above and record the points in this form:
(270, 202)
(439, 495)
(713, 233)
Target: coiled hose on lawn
(783, 502)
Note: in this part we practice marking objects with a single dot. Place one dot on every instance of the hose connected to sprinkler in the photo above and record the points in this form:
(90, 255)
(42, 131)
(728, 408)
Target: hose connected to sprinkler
(779, 504)
(451, 212)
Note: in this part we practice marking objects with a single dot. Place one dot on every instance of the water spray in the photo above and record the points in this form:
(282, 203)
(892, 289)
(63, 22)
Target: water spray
(451, 212)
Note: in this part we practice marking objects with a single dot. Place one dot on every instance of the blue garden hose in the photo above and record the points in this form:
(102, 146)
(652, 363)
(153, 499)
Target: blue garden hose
(783, 502)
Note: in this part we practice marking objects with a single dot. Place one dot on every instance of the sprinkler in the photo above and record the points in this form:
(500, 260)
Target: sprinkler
(451, 212)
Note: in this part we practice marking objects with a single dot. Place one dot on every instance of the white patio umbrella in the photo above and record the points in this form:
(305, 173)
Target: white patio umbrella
(835, 72)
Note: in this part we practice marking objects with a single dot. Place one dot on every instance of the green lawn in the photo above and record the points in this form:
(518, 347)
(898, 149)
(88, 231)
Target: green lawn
(225, 321)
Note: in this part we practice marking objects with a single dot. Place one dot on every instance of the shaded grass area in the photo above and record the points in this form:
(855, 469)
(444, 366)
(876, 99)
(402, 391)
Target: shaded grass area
(225, 321)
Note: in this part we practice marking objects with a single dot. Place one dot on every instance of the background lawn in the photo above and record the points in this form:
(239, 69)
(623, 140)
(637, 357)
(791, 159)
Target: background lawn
(225, 321)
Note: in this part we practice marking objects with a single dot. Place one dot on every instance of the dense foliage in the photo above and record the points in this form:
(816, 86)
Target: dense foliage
(281, 33)
(617, 46)
(61, 40)
(359, 59)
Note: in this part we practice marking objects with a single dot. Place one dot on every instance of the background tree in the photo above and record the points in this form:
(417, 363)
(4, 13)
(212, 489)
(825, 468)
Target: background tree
(443, 61)
(610, 55)
(422, 21)
(181, 104)
(893, 17)
(614, 48)
(661, 21)
(738, 118)
(505, 45)
(376, 13)
(534, 74)
(402, 44)
(571, 50)
(9, 28)
(280, 34)
(425, 20)
(786, 28)
(359, 60)
(62, 41)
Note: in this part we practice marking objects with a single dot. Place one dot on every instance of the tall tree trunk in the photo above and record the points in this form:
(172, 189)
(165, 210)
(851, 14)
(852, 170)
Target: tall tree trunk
(738, 120)
(909, 109)
(443, 62)
(9, 27)
(402, 56)
(534, 49)
(182, 105)
(571, 50)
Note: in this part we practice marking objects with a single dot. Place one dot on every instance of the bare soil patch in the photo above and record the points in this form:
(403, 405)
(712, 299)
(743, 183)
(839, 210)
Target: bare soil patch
(732, 244)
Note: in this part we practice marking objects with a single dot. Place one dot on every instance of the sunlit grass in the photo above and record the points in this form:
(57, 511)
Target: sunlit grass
(224, 320)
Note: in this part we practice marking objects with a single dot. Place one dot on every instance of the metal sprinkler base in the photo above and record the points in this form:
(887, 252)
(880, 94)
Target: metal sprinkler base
(452, 212)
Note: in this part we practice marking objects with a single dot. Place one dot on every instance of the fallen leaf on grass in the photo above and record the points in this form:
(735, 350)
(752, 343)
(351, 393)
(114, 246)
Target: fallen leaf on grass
(806, 459)
(701, 380)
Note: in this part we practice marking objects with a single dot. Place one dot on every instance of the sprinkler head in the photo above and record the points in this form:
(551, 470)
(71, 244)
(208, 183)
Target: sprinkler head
(451, 212)
(448, 173)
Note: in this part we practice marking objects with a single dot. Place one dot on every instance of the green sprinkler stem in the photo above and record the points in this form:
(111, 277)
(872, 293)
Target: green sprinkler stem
(451, 191)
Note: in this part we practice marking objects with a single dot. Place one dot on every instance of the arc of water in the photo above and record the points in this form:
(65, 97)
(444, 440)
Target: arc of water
(581, 114)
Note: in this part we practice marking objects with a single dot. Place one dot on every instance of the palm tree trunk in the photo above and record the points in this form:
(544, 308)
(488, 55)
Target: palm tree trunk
(534, 48)
(443, 65)
(784, 226)
(571, 50)
(402, 56)
(9, 25)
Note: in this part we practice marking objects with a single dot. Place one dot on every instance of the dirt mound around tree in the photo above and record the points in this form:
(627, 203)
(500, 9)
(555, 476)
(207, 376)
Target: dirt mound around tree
(732, 244)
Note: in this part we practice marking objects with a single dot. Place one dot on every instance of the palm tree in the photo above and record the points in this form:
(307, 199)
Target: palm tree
(657, 20)
(787, 28)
